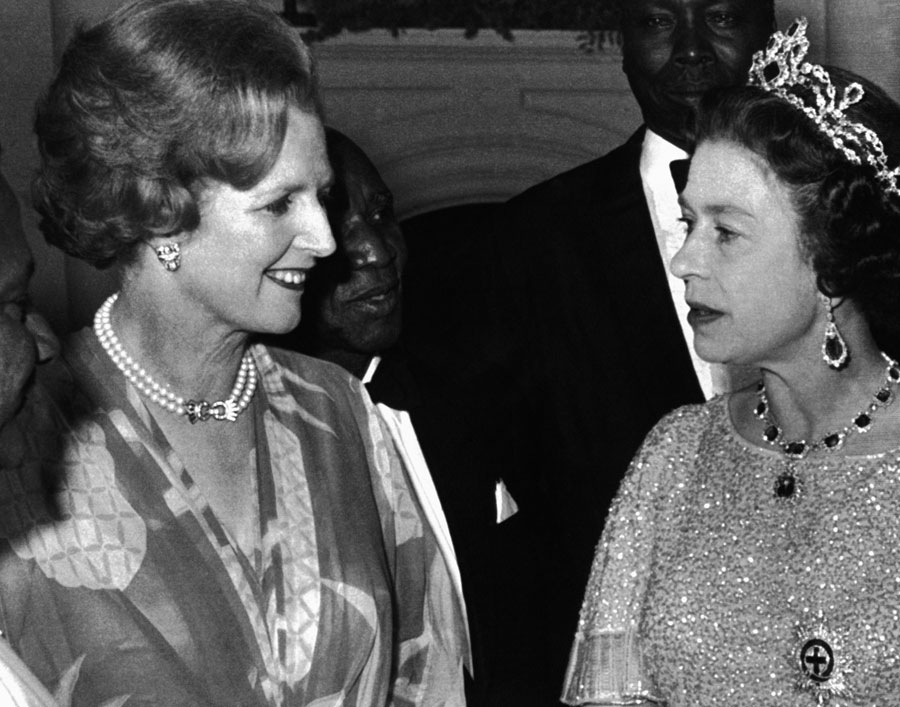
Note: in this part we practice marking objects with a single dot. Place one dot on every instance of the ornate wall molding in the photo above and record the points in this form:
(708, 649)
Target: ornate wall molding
(451, 121)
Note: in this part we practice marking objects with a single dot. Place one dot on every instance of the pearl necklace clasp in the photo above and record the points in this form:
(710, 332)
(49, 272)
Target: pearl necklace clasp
(202, 410)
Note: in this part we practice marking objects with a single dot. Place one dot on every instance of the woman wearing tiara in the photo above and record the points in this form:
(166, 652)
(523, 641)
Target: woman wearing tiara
(227, 523)
(752, 556)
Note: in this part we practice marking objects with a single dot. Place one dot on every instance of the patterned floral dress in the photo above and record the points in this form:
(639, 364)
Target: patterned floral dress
(117, 579)
(712, 586)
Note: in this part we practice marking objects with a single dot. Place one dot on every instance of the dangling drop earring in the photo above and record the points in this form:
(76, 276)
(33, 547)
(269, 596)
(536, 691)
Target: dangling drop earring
(169, 254)
(835, 351)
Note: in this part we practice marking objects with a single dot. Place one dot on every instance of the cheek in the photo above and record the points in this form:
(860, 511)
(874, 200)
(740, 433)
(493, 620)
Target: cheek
(332, 312)
(648, 59)
(736, 51)
(402, 255)
(780, 298)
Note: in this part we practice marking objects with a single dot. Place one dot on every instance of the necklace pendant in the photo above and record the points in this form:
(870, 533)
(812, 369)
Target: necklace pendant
(787, 486)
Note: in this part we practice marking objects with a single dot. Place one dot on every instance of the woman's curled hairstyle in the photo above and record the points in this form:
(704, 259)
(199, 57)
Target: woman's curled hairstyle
(850, 225)
(149, 104)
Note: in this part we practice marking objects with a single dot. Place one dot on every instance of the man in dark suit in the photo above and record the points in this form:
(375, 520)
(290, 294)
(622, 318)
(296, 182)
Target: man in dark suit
(583, 309)
(352, 316)
(22, 346)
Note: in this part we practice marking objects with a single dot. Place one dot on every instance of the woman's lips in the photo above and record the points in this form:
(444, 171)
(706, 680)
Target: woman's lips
(700, 315)
(289, 278)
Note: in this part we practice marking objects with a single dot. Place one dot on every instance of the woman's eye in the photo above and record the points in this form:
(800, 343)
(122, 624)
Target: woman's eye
(688, 224)
(281, 206)
(725, 235)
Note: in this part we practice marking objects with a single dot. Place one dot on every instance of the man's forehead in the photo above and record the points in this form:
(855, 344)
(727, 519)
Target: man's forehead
(631, 6)
(358, 168)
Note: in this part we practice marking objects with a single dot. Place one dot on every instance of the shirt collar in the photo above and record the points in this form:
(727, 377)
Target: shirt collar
(370, 371)
(657, 153)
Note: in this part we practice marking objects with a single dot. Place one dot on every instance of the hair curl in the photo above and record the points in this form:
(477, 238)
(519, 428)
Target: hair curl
(152, 102)
(850, 227)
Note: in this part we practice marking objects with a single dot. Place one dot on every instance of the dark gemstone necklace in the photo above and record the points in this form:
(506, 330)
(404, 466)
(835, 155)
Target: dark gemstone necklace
(861, 423)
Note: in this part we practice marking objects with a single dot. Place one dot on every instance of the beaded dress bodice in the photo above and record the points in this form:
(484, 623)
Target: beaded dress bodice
(733, 594)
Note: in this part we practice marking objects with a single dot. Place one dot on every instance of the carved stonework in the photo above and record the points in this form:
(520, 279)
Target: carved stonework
(453, 121)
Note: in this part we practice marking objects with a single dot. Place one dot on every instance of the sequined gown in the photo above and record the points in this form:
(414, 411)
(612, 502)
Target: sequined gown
(708, 588)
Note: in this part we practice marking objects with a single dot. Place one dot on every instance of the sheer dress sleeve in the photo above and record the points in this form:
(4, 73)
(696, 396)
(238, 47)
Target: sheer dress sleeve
(607, 662)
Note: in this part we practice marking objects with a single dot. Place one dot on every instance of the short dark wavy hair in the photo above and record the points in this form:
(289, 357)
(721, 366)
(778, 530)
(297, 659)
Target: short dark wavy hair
(152, 102)
(850, 226)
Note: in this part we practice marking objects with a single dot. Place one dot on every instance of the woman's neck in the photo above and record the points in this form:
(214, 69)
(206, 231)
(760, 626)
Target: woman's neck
(177, 348)
(815, 401)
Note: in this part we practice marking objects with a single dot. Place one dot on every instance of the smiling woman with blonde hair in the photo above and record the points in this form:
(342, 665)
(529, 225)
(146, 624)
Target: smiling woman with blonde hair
(753, 551)
(228, 523)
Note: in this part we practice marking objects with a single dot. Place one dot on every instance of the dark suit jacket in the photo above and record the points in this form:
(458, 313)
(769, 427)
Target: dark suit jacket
(580, 315)
(466, 456)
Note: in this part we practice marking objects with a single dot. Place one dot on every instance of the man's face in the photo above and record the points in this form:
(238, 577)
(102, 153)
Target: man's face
(676, 50)
(356, 293)
(17, 347)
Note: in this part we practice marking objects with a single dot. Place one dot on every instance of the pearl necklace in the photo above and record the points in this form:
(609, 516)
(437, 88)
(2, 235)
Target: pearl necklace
(862, 421)
(228, 409)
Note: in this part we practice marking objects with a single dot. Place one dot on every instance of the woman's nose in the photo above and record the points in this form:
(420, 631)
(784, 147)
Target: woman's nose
(689, 259)
(315, 233)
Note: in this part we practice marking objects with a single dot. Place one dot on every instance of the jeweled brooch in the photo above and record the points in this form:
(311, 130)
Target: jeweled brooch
(822, 664)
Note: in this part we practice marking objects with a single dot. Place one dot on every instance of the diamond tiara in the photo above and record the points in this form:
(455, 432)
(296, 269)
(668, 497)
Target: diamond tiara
(781, 67)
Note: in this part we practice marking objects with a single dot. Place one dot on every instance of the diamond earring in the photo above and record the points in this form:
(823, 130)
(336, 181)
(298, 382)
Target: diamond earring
(169, 254)
(835, 351)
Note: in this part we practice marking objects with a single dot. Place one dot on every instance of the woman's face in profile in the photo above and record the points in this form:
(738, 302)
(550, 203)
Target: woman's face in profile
(244, 267)
(752, 294)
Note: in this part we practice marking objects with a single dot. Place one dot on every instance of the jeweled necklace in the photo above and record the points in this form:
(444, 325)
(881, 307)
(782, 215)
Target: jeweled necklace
(861, 423)
(228, 409)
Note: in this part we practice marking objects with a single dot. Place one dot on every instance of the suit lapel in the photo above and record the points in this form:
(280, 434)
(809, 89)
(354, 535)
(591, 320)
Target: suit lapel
(636, 282)
(393, 384)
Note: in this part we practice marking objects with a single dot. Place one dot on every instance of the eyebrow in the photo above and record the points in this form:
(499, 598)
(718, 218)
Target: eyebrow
(716, 209)
(324, 180)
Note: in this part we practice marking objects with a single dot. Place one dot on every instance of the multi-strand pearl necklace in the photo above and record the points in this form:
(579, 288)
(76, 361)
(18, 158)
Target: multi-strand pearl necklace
(228, 409)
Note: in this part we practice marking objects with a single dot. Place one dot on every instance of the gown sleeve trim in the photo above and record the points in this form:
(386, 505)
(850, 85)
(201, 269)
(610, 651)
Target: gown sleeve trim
(606, 667)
